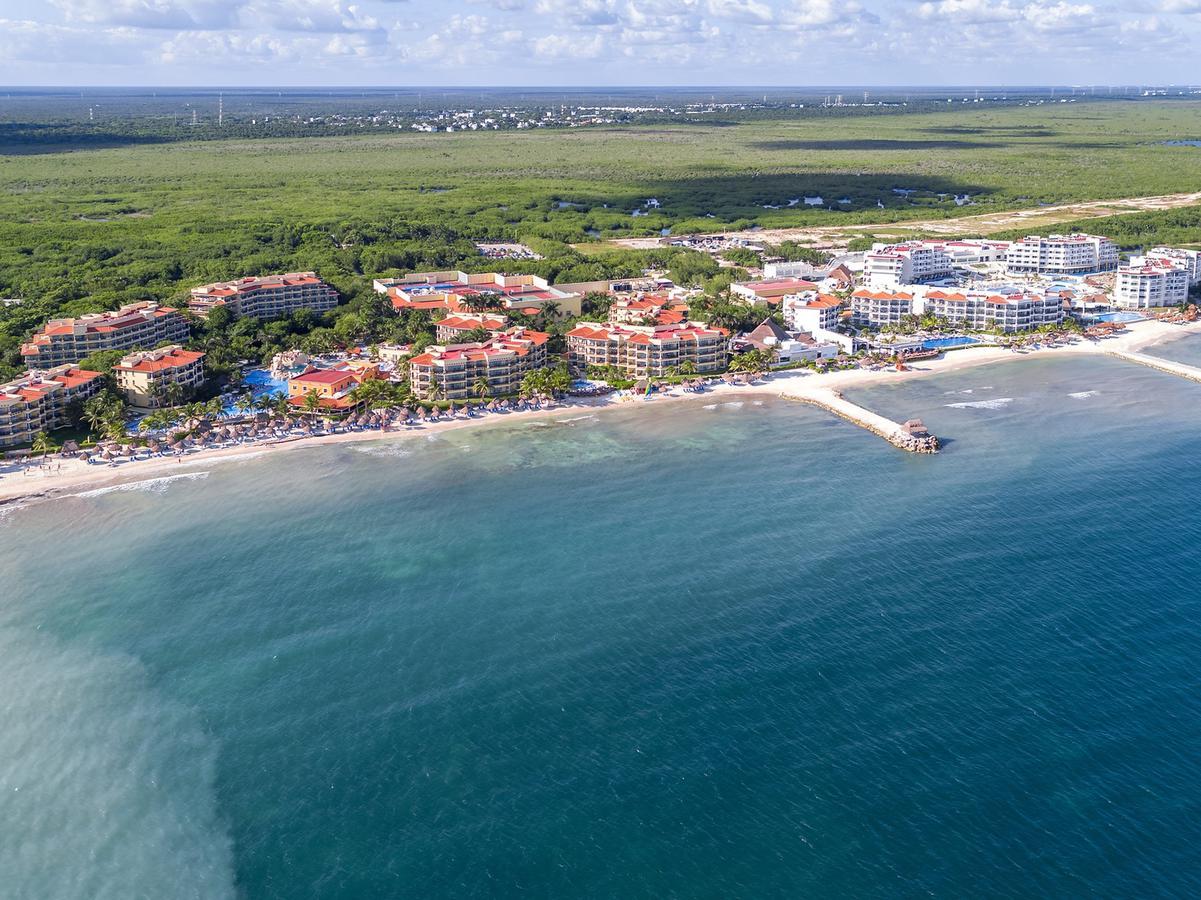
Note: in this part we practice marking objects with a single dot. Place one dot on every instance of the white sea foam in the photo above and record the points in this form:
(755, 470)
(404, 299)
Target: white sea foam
(150, 485)
(8, 509)
(998, 403)
(710, 406)
(578, 418)
(733, 404)
(384, 450)
(108, 785)
(758, 402)
(1082, 395)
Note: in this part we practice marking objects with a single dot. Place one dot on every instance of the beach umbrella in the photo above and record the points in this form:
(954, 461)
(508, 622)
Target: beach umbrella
(107, 455)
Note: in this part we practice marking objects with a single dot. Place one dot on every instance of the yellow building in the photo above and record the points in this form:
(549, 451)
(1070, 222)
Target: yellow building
(146, 376)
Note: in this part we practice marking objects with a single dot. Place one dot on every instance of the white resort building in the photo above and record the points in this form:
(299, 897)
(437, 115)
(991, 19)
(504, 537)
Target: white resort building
(875, 309)
(1150, 285)
(1006, 312)
(1058, 254)
(812, 312)
(889, 265)
(1189, 260)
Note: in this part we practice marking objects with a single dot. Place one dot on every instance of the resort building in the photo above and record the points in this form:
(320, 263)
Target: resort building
(331, 386)
(793, 269)
(393, 353)
(265, 297)
(1005, 312)
(1189, 260)
(890, 265)
(648, 350)
(645, 309)
(450, 328)
(145, 376)
(458, 292)
(812, 312)
(975, 252)
(1150, 284)
(454, 371)
(770, 291)
(38, 401)
(876, 309)
(65, 341)
(786, 347)
(1058, 254)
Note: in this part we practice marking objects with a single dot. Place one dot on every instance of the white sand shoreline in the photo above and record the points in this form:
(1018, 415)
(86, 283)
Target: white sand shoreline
(70, 477)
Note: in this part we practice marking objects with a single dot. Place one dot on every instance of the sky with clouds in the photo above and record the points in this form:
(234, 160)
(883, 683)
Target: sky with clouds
(597, 42)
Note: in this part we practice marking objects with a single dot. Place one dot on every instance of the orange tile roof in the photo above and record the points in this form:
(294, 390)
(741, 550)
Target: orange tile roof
(173, 360)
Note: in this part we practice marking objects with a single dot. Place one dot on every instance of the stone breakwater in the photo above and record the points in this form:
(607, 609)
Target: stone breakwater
(910, 437)
(1192, 373)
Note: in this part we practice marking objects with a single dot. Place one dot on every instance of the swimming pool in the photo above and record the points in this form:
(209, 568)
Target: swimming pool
(1122, 317)
(948, 342)
(260, 382)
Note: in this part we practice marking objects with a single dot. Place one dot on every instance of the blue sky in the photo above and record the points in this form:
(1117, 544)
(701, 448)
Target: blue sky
(588, 42)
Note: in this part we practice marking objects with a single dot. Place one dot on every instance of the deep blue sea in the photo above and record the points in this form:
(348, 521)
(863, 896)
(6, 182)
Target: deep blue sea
(710, 651)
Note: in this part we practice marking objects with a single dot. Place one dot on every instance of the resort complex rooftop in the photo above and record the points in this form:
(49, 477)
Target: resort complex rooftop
(38, 401)
(658, 307)
(654, 350)
(458, 371)
(146, 376)
(266, 296)
(142, 324)
(1059, 254)
(770, 291)
(462, 292)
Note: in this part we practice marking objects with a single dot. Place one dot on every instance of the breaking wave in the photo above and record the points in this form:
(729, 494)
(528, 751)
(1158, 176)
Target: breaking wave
(150, 485)
(998, 403)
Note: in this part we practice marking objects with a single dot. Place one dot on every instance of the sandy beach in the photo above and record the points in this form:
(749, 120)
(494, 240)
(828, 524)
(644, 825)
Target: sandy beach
(59, 478)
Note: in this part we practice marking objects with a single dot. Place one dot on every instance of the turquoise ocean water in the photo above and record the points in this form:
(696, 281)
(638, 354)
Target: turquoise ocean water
(717, 650)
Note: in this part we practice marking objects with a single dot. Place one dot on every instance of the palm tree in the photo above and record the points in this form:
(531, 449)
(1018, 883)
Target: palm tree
(173, 393)
(481, 388)
(96, 412)
(281, 405)
(244, 403)
(42, 444)
(115, 430)
(312, 402)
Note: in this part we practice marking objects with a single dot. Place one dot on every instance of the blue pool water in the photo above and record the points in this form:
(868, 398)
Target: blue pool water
(260, 382)
(944, 343)
(1123, 317)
